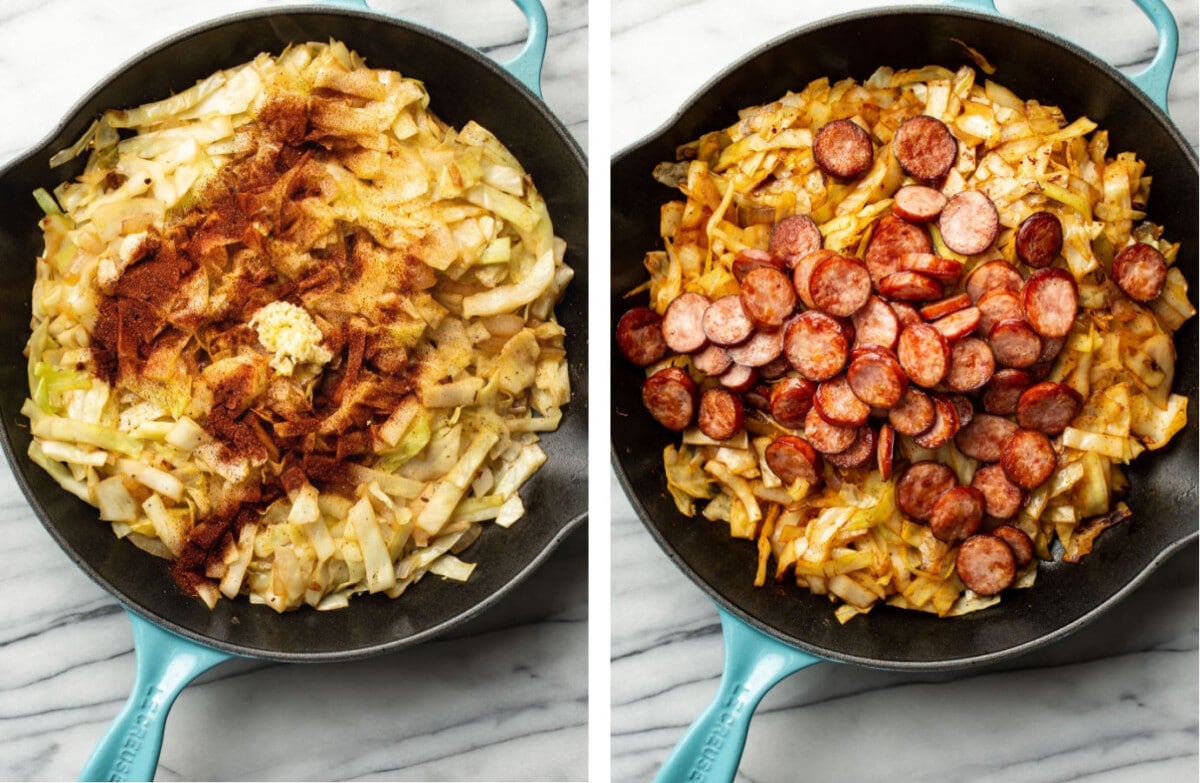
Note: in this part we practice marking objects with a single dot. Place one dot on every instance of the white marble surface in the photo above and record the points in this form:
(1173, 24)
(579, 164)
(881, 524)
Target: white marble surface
(504, 699)
(1116, 702)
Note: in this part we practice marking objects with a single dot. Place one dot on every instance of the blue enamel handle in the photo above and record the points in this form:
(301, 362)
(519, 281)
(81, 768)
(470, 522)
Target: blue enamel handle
(526, 66)
(1155, 78)
(166, 663)
(754, 663)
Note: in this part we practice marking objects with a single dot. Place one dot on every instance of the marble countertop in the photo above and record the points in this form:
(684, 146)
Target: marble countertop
(503, 698)
(1116, 702)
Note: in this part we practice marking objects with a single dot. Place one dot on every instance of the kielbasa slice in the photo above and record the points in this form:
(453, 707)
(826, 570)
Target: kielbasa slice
(925, 355)
(1140, 271)
(683, 322)
(739, 378)
(795, 237)
(971, 365)
(985, 564)
(1051, 299)
(640, 337)
(1039, 239)
(721, 414)
(957, 514)
(777, 368)
(918, 203)
(816, 346)
(825, 437)
(1048, 407)
(885, 451)
(791, 458)
(947, 269)
(1028, 458)
(842, 149)
(959, 324)
(945, 424)
(713, 360)
(925, 148)
(751, 258)
(858, 454)
(791, 400)
(998, 305)
(1004, 390)
(875, 323)
(1018, 541)
(891, 239)
(984, 438)
(913, 414)
(993, 275)
(877, 378)
(906, 314)
(1015, 343)
(768, 297)
(763, 347)
(944, 307)
(921, 485)
(670, 396)
(964, 407)
(837, 403)
(969, 223)
(1001, 498)
(725, 321)
(802, 274)
(839, 285)
(910, 287)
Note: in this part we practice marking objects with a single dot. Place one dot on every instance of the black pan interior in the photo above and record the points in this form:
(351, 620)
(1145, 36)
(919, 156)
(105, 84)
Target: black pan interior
(464, 85)
(1034, 65)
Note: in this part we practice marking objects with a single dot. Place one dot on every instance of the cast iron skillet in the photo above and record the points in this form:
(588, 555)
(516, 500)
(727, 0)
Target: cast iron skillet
(774, 630)
(464, 85)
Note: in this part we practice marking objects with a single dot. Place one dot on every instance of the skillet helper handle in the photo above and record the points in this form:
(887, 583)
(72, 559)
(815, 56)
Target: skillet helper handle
(754, 663)
(165, 664)
(1155, 78)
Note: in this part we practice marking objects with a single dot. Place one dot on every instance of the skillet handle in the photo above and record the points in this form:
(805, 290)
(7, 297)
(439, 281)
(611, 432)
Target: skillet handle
(1155, 78)
(754, 663)
(165, 664)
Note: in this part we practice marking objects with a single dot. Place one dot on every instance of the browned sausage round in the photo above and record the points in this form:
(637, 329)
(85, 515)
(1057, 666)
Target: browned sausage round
(791, 400)
(777, 368)
(795, 237)
(1004, 390)
(945, 424)
(1048, 407)
(946, 269)
(791, 458)
(910, 286)
(763, 347)
(971, 365)
(913, 414)
(965, 409)
(944, 307)
(1039, 239)
(816, 346)
(683, 323)
(839, 285)
(925, 148)
(725, 321)
(1140, 271)
(969, 223)
(825, 437)
(1020, 543)
(1051, 299)
(921, 485)
(1014, 343)
(837, 403)
(924, 354)
(758, 398)
(802, 274)
(751, 258)
(713, 360)
(957, 514)
(918, 203)
(885, 451)
(877, 378)
(985, 564)
(721, 414)
(1028, 458)
(875, 323)
(1001, 498)
(959, 324)
(993, 275)
(843, 149)
(999, 304)
(768, 297)
(906, 314)
(640, 337)
(670, 396)
(891, 239)
(984, 438)
(1051, 347)
(859, 453)
(739, 378)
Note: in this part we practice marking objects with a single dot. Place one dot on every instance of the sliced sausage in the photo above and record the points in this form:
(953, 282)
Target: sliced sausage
(791, 458)
(739, 378)
(925, 148)
(921, 485)
(843, 149)
(875, 323)
(877, 378)
(776, 368)
(838, 404)
(713, 360)
(795, 237)
(683, 322)
(640, 336)
(1001, 498)
(913, 414)
(1017, 540)
(802, 274)
(721, 414)
(946, 269)
(925, 355)
(885, 451)
(816, 346)
(752, 258)
(964, 407)
(1140, 271)
(1028, 458)
(971, 365)
(758, 398)
(670, 396)
(945, 424)
(1004, 390)
(1039, 239)
(984, 438)
(959, 324)
(944, 307)
(825, 437)
(839, 285)
(891, 239)
(1051, 299)
(791, 400)
(763, 347)
(999, 304)
(1048, 407)
(1014, 343)
(725, 321)
(956, 515)
(918, 203)
(859, 454)
(969, 223)
(1051, 348)
(993, 275)
(910, 287)
(985, 564)
(906, 314)
(768, 297)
